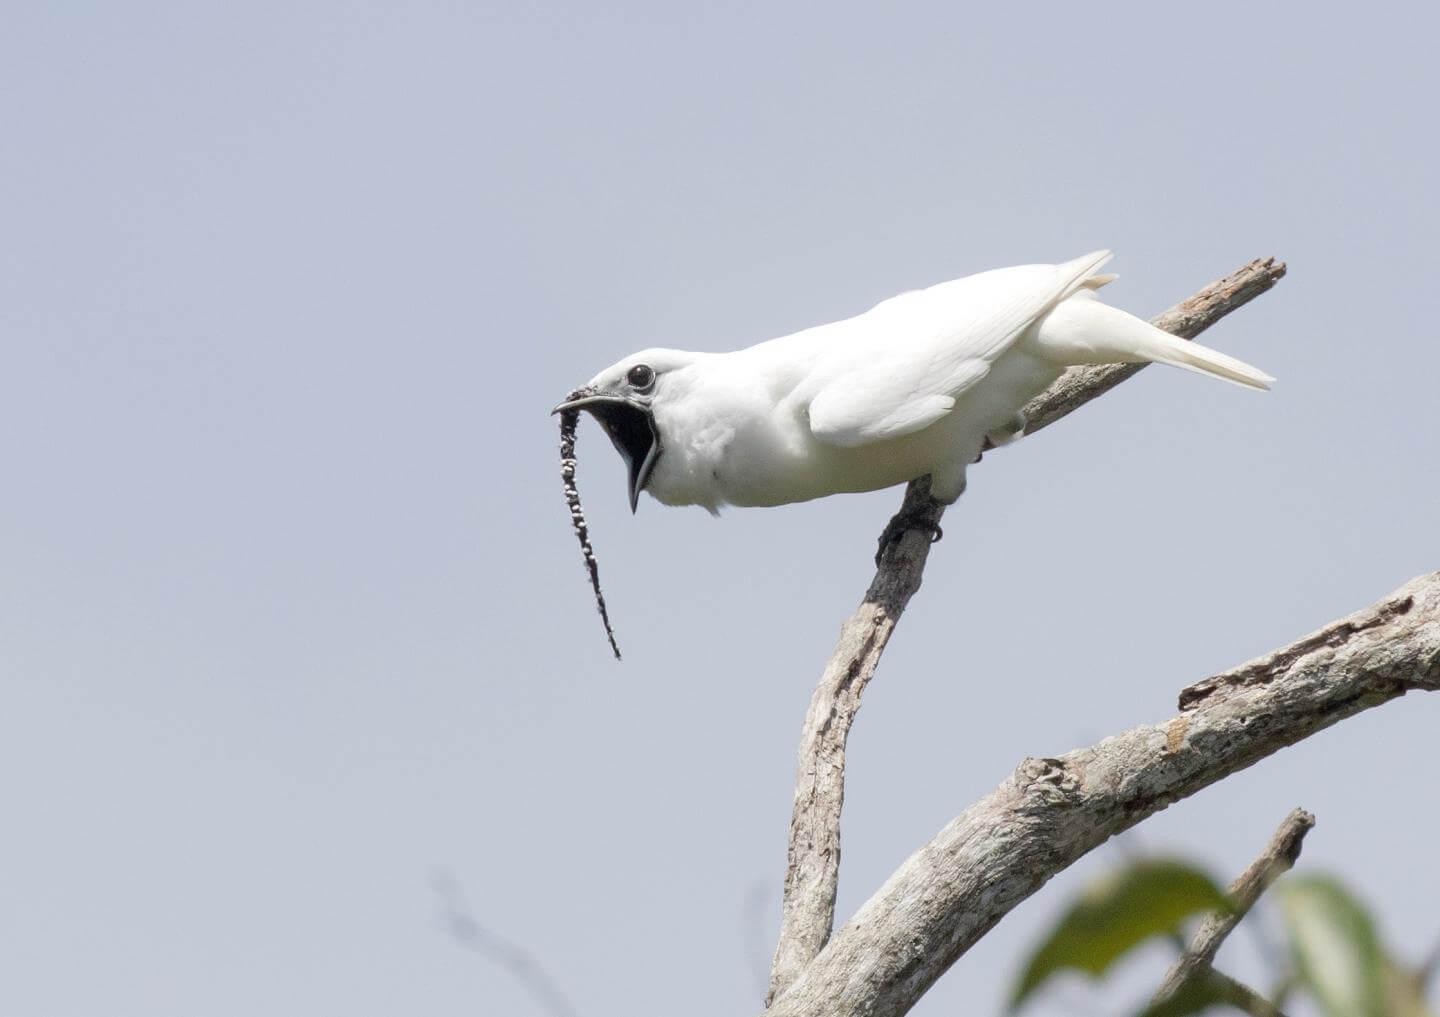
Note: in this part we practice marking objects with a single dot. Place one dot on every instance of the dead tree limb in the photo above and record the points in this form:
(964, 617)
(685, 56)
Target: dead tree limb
(1279, 855)
(813, 863)
(1050, 812)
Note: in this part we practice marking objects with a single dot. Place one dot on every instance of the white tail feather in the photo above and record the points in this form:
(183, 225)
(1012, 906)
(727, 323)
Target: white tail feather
(1081, 330)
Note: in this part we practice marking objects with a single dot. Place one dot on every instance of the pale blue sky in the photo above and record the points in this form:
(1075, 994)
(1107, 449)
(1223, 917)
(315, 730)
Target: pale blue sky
(290, 610)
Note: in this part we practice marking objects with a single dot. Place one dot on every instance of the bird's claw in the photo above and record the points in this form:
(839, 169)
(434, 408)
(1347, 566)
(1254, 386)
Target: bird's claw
(902, 522)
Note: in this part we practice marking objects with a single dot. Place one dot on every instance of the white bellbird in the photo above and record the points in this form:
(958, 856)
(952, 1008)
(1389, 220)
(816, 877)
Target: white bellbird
(914, 386)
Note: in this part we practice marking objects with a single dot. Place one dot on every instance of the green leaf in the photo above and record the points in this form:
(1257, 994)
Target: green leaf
(1145, 899)
(1336, 949)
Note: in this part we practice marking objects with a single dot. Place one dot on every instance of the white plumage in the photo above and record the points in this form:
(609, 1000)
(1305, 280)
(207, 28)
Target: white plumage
(913, 386)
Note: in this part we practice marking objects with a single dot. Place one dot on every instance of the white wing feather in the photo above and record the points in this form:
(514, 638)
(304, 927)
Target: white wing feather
(907, 359)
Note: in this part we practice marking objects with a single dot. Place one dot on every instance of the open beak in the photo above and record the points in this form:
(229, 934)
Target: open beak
(631, 427)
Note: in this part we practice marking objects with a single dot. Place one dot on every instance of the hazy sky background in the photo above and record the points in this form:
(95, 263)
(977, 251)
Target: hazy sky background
(292, 614)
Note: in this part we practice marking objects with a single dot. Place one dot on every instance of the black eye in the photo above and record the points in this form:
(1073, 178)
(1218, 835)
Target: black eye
(641, 377)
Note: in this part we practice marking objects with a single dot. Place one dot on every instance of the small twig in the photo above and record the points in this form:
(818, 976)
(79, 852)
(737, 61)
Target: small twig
(1279, 855)
(467, 931)
(813, 861)
(1242, 997)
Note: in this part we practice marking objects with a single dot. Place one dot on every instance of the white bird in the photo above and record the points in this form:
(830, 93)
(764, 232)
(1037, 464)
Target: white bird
(913, 386)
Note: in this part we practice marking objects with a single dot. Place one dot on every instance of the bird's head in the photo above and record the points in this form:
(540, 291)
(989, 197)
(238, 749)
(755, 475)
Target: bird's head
(625, 398)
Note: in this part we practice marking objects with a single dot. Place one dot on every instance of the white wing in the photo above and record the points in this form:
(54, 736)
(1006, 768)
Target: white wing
(908, 358)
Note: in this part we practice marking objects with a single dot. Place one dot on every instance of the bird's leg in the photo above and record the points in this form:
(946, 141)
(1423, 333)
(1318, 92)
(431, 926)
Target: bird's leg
(902, 522)
(919, 512)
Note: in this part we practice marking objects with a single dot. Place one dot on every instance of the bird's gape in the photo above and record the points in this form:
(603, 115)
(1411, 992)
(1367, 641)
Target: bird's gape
(632, 431)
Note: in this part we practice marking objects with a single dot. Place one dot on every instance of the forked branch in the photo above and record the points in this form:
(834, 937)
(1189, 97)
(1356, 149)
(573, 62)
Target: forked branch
(813, 863)
(1052, 811)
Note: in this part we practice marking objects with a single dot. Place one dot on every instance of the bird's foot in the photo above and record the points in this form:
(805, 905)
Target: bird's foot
(919, 517)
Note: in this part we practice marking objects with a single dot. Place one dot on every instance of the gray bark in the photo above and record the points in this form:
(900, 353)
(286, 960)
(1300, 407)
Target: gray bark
(813, 863)
(1051, 811)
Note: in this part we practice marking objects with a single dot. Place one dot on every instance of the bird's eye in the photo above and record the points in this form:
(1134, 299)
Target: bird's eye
(641, 377)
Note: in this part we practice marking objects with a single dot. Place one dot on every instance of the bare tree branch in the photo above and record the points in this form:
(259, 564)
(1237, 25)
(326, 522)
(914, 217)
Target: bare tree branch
(1052, 811)
(813, 863)
(1279, 855)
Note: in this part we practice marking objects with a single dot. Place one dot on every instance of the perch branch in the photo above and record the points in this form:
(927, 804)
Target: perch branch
(813, 863)
(1279, 855)
(1050, 812)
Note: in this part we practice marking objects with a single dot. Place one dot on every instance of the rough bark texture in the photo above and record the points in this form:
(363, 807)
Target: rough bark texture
(1050, 812)
(813, 864)
(1278, 857)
